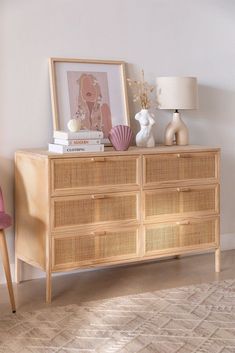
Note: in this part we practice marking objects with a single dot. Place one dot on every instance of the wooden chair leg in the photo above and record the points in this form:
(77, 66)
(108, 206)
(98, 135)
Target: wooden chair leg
(6, 265)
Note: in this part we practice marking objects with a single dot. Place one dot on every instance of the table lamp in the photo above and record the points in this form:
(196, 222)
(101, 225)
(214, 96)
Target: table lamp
(177, 93)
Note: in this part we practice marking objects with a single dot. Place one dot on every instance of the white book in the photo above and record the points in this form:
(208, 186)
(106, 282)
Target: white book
(77, 142)
(75, 149)
(79, 135)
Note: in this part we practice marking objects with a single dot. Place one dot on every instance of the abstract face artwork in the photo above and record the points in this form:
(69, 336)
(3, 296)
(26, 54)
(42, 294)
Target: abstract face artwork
(89, 100)
(91, 92)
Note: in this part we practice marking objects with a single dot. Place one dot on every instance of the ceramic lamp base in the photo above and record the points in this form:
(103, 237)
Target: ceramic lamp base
(177, 132)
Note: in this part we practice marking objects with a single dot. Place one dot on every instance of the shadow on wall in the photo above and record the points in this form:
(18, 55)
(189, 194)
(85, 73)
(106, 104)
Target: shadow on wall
(214, 119)
(7, 184)
(32, 228)
(213, 124)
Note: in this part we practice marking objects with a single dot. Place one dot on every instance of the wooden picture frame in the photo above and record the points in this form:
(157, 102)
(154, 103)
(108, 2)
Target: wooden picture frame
(94, 91)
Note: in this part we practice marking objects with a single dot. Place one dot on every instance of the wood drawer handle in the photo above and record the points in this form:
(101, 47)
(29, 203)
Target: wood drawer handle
(183, 189)
(98, 233)
(97, 197)
(98, 159)
(182, 223)
(183, 155)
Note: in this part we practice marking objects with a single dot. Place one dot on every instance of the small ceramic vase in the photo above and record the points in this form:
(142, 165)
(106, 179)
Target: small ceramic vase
(74, 125)
(121, 136)
(145, 138)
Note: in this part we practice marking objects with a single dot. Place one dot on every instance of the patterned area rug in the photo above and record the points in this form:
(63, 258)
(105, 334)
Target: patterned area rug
(198, 318)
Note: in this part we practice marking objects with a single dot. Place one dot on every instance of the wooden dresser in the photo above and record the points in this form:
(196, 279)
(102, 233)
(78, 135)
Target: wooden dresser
(88, 210)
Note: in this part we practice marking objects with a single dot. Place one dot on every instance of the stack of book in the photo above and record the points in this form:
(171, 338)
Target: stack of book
(81, 141)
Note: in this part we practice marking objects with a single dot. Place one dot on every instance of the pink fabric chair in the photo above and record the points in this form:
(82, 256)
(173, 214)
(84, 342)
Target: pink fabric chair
(5, 222)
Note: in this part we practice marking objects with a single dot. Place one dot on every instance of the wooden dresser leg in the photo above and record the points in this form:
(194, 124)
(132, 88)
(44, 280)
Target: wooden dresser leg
(6, 265)
(18, 267)
(217, 259)
(48, 287)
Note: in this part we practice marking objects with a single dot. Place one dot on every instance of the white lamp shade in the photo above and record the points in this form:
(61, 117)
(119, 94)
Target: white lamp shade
(177, 92)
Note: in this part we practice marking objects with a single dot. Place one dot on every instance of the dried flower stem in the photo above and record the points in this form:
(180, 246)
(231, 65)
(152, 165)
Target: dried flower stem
(142, 91)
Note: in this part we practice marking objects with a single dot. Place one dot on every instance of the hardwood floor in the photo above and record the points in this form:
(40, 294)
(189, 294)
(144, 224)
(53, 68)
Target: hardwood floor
(119, 281)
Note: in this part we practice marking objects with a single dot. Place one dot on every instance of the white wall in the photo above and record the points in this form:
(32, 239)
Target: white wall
(165, 37)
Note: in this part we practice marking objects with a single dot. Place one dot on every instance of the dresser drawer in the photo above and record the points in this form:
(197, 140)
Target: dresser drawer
(75, 211)
(184, 201)
(83, 175)
(169, 169)
(191, 234)
(84, 249)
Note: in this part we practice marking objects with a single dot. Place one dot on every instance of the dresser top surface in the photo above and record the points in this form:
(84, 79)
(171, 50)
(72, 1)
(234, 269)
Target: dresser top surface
(109, 151)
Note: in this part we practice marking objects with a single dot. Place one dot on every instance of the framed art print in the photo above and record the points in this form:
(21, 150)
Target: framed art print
(93, 91)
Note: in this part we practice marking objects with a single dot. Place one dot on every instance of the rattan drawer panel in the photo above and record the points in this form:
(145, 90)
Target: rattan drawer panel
(170, 236)
(84, 249)
(84, 174)
(180, 167)
(185, 201)
(73, 211)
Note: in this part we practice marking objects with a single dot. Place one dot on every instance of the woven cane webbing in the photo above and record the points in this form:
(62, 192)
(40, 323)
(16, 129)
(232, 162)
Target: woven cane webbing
(171, 201)
(168, 236)
(157, 203)
(81, 173)
(197, 166)
(94, 247)
(84, 211)
(117, 244)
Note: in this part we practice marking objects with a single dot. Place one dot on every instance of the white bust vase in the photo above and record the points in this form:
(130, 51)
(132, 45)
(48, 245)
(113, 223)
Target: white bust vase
(145, 138)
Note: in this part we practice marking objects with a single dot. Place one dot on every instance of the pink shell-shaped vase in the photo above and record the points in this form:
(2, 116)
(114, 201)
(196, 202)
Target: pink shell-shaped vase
(121, 136)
